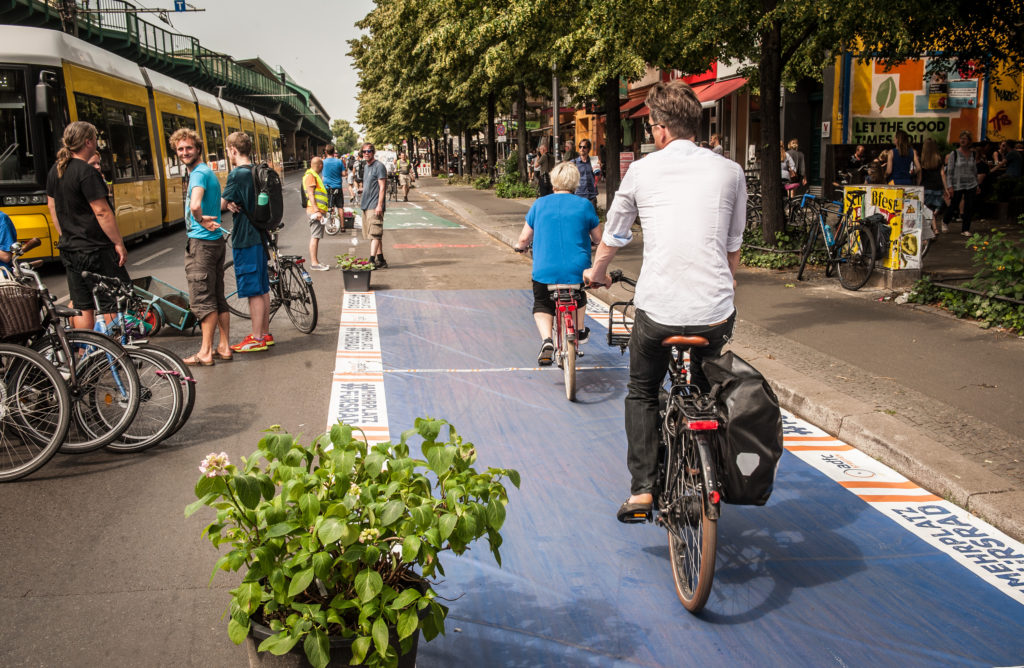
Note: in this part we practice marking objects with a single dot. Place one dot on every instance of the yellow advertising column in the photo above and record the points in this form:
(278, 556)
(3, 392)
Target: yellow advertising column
(899, 254)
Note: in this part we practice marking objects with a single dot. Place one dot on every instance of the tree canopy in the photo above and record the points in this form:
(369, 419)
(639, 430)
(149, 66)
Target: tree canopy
(346, 139)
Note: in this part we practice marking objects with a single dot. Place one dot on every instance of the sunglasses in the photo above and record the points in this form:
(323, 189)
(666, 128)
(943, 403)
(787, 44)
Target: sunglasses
(368, 150)
(586, 146)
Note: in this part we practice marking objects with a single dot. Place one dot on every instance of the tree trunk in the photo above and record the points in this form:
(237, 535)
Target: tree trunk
(467, 151)
(613, 139)
(522, 137)
(492, 142)
(768, 152)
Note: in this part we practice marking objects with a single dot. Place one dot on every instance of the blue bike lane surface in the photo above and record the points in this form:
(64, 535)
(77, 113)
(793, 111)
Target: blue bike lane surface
(848, 564)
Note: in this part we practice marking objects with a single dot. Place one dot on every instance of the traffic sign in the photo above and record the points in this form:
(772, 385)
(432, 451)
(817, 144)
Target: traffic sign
(499, 129)
(179, 5)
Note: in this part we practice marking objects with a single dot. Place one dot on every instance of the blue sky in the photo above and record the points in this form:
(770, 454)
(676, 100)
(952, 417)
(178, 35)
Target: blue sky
(308, 38)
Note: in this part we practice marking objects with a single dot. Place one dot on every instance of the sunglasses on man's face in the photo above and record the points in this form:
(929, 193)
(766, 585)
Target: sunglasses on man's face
(584, 147)
(368, 150)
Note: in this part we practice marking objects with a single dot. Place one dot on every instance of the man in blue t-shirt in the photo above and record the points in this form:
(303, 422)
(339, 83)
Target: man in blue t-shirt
(8, 236)
(247, 249)
(334, 178)
(205, 250)
(561, 226)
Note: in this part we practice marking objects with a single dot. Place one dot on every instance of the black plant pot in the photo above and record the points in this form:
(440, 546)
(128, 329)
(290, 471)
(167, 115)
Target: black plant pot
(341, 651)
(356, 281)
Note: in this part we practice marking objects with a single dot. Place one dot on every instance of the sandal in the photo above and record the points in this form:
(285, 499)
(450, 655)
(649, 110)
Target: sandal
(226, 358)
(193, 360)
(635, 513)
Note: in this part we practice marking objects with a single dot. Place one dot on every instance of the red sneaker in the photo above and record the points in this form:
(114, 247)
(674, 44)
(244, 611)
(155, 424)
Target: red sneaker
(269, 340)
(249, 345)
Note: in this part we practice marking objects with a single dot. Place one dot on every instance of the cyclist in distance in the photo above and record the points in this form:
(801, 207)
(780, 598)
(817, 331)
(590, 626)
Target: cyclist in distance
(692, 205)
(334, 178)
(561, 226)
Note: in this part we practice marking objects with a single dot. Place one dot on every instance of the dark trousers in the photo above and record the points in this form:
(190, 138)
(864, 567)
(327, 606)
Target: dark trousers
(648, 364)
(544, 185)
(968, 196)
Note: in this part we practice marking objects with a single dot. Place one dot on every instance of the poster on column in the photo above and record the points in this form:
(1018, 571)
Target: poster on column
(901, 206)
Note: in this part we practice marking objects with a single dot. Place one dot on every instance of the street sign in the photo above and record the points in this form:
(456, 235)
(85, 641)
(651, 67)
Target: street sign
(179, 5)
(499, 130)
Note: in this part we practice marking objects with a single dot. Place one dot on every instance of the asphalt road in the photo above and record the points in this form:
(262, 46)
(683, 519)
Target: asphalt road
(101, 568)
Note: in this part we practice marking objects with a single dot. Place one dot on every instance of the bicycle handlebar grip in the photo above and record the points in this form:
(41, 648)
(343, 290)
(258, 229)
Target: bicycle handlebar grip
(616, 275)
(30, 244)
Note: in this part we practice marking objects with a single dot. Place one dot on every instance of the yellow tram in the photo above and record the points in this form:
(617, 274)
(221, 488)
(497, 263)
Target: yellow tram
(48, 79)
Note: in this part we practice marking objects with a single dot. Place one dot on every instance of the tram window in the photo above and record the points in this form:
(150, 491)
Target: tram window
(277, 150)
(16, 164)
(232, 131)
(264, 147)
(214, 144)
(123, 130)
(171, 123)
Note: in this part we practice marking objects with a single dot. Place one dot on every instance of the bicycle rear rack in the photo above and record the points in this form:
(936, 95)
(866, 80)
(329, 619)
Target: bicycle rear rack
(619, 325)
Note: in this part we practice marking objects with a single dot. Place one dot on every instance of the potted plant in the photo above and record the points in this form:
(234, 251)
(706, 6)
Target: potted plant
(355, 271)
(338, 541)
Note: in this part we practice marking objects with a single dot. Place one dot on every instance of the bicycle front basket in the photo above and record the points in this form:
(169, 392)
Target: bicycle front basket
(19, 311)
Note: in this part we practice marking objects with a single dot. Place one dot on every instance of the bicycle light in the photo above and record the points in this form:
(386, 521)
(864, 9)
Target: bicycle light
(702, 425)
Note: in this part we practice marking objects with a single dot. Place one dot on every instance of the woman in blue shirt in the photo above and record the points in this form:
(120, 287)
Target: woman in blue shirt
(561, 226)
(903, 165)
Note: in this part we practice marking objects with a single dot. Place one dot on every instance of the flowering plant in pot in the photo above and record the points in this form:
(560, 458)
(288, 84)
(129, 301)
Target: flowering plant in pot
(340, 539)
(349, 262)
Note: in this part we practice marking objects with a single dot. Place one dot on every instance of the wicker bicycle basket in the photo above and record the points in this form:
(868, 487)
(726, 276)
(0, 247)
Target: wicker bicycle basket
(19, 311)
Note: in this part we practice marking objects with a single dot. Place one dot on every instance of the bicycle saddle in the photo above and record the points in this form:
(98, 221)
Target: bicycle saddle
(684, 341)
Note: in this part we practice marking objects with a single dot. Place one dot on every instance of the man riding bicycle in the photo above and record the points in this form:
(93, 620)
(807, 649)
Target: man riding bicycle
(692, 205)
(334, 178)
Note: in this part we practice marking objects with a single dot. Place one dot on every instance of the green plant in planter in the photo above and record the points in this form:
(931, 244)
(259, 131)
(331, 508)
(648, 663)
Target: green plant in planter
(341, 538)
(349, 262)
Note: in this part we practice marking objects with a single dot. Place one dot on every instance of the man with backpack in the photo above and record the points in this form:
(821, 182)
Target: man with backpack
(247, 248)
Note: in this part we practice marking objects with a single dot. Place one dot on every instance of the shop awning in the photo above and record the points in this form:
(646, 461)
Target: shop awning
(713, 92)
(642, 112)
(631, 104)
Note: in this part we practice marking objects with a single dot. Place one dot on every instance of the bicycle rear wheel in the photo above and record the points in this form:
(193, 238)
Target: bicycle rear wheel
(35, 411)
(692, 534)
(332, 224)
(299, 298)
(569, 366)
(237, 305)
(106, 395)
(188, 383)
(855, 259)
(159, 404)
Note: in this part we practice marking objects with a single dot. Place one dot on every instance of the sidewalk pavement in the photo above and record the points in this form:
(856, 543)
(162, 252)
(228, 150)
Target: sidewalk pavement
(947, 451)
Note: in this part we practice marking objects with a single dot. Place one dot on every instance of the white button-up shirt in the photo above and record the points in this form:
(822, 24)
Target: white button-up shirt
(692, 207)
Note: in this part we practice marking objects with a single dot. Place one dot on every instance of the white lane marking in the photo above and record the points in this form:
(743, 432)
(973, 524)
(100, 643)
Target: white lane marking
(357, 388)
(153, 256)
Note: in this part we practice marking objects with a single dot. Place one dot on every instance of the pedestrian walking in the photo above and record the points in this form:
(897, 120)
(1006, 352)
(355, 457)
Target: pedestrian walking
(375, 183)
(543, 164)
(960, 180)
(587, 188)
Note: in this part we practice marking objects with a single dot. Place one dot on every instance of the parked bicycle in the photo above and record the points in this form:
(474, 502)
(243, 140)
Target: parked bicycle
(291, 287)
(687, 499)
(102, 382)
(167, 390)
(849, 246)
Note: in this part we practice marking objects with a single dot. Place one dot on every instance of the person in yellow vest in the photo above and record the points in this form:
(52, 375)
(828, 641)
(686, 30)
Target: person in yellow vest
(316, 208)
(406, 175)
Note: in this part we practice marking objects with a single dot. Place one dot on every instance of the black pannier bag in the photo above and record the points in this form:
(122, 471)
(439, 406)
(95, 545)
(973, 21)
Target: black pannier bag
(880, 226)
(751, 442)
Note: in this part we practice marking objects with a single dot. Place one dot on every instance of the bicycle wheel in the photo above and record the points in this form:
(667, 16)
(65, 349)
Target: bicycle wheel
(237, 305)
(298, 298)
(160, 403)
(855, 249)
(332, 224)
(104, 397)
(35, 411)
(812, 238)
(188, 384)
(753, 212)
(569, 363)
(801, 219)
(692, 535)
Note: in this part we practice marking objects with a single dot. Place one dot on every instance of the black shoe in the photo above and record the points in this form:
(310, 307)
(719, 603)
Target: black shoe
(379, 262)
(547, 351)
(583, 335)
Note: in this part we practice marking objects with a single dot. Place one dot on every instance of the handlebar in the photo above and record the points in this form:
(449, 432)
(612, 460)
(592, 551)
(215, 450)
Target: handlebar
(107, 284)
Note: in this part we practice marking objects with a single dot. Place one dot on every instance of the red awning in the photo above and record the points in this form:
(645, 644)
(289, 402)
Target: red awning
(642, 112)
(631, 104)
(719, 89)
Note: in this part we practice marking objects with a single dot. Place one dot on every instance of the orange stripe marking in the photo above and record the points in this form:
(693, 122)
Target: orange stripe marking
(898, 498)
(809, 438)
(856, 484)
(837, 448)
